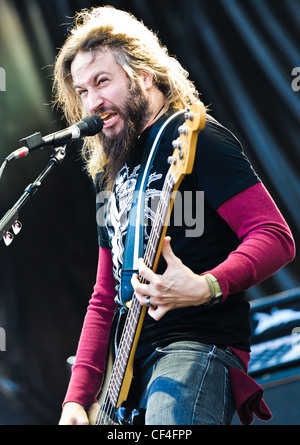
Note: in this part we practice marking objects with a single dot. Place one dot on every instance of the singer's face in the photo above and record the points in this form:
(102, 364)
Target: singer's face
(103, 87)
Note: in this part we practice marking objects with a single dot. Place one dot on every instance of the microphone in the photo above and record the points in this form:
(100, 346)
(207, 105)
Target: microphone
(88, 126)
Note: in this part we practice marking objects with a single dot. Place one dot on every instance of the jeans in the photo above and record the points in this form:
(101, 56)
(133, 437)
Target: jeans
(186, 383)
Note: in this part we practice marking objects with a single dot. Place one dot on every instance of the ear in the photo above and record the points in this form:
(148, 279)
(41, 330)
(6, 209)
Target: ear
(146, 78)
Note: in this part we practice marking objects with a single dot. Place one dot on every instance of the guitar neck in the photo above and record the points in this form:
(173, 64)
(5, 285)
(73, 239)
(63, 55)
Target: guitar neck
(159, 228)
(123, 367)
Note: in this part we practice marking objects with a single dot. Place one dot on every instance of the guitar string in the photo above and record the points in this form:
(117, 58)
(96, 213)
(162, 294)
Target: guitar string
(135, 308)
(107, 408)
(112, 382)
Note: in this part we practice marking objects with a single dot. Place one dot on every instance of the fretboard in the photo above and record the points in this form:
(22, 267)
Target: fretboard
(135, 309)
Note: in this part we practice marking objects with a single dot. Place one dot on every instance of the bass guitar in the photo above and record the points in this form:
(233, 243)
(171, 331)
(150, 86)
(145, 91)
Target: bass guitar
(116, 385)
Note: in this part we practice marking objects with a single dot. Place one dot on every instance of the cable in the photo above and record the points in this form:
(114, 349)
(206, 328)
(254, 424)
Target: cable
(3, 167)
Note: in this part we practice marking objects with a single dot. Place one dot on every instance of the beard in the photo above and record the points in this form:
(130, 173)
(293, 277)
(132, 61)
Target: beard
(117, 147)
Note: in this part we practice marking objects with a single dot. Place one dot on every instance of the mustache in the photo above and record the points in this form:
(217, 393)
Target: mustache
(110, 110)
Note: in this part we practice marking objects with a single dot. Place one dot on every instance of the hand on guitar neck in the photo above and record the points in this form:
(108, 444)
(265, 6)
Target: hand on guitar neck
(177, 287)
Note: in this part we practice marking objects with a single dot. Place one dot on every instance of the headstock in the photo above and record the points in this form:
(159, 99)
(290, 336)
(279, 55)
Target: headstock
(182, 159)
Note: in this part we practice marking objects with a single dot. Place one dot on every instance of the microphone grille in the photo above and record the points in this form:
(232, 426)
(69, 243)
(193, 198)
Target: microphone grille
(94, 125)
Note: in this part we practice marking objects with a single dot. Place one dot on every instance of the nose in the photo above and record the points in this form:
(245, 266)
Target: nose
(94, 100)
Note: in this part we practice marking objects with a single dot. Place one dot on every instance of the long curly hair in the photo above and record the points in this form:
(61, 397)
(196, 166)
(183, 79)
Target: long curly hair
(136, 48)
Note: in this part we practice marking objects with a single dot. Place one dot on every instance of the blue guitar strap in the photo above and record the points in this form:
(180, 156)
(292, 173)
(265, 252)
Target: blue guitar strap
(134, 243)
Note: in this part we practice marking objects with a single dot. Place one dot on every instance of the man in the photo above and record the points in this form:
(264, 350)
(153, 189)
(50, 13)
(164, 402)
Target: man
(197, 325)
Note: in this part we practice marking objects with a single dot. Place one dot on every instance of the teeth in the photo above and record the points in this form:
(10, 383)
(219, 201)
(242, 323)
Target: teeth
(104, 117)
(109, 120)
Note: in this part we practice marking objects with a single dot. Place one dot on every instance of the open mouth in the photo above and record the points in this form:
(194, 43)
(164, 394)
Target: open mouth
(108, 118)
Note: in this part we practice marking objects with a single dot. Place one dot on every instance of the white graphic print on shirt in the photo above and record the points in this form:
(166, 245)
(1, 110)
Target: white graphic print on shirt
(119, 205)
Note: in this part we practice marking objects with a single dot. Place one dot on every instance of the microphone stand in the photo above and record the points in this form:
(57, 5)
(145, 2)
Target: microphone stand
(10, 219)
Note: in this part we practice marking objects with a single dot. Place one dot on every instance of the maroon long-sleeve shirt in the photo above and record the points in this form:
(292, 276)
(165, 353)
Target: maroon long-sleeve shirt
(267, 245)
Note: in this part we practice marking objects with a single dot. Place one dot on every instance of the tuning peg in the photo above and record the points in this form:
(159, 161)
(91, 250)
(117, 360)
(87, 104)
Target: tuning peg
(189, 115)
(8, 238)
(177, 144)
(17, 226)
(183, 130)
(172, 160)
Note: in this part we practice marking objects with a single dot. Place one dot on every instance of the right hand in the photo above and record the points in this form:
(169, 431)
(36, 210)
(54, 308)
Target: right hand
(75, 414)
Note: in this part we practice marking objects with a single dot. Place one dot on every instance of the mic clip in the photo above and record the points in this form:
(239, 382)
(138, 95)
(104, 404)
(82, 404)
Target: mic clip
(59, 154)
(33, 141)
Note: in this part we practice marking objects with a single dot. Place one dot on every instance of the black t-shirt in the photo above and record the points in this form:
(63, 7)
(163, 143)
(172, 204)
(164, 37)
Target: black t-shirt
(200, 237)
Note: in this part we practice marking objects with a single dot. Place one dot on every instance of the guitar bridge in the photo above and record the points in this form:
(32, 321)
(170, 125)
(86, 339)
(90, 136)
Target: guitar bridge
(134, 417)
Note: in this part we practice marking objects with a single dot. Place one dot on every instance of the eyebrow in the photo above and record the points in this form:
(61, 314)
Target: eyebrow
(94, 79)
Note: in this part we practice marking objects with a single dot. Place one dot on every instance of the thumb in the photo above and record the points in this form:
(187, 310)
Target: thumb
(167, 251)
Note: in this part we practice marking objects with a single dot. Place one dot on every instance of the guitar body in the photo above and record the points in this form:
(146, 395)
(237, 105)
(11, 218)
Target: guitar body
(117, 382)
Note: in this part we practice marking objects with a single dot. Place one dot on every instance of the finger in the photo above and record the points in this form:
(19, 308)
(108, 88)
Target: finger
(157, 312)
(93, 413)
(167, 251)
(145, 271)
(135, 280)
(142, 299)
(140, 289)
